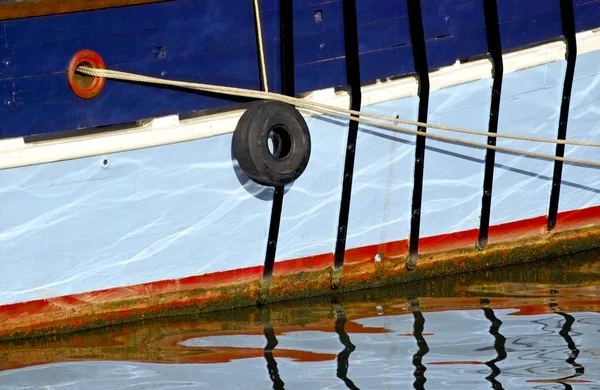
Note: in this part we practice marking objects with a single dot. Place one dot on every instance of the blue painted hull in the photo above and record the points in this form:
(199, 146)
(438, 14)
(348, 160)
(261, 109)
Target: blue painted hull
(214, 41)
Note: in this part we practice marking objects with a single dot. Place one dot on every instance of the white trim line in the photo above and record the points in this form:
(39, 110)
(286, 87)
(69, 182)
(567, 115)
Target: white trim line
(169, 130)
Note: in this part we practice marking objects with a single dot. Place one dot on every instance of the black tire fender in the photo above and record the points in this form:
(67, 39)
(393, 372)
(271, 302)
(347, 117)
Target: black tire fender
(285, 128)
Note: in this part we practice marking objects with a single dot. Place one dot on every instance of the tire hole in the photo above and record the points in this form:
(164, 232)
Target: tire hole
(279, 142)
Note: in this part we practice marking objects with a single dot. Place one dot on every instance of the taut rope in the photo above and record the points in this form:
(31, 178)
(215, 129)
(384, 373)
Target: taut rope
(348, 114)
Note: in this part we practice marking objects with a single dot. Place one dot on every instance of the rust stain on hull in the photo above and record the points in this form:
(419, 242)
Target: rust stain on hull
(164, 341)
(468, 259)
(55, 316)
(392, 269)
(291, 279)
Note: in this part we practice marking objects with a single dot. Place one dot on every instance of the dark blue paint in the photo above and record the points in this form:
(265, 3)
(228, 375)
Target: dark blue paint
(454, 31)
(214, 41)
(368, 12)
(2, 34)
(445, 51)
(317, 47)
(523, 32)
(384, 34)
(380, 64)
(304, 17)
(519, 9)
(125, 20)
(325, 74)
(587, 14)
(453, 19)
(524, 23)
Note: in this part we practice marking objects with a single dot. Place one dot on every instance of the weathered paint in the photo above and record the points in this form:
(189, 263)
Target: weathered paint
(295, 279)
(572, 283)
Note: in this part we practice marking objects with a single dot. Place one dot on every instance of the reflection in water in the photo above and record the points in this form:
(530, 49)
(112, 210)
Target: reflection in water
(574, 352)
(531, 312)
(344, 356)
(499, 344)
(418, 327)
(268, 351)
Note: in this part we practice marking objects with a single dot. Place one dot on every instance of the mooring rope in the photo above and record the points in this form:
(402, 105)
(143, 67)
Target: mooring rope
(349, 114)
(112, 74)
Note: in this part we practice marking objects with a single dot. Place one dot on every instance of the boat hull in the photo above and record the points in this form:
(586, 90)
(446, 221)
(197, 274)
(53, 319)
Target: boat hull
(142, 224)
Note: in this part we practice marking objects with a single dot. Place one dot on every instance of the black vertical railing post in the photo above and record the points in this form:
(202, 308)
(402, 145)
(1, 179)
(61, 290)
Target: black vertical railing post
(353, 80)
(286, 20)
(276, 210)
(286, 25)
(568, 26)
(492, 26)
(417, 33)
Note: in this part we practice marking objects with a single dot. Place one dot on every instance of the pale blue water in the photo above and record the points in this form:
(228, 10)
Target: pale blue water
(529, 327)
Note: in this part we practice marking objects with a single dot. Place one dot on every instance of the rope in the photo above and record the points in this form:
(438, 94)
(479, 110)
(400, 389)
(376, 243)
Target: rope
(313, 105)
(261, 50)
(342, 113)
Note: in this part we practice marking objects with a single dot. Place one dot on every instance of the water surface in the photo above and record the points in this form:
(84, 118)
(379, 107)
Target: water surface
(534, 326)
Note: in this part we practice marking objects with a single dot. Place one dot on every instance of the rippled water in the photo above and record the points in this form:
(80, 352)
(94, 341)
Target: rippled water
(534, 326)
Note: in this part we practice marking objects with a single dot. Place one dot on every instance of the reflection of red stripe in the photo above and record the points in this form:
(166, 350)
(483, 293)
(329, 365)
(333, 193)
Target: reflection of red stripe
(181, 355)
(544, 308)
(240, 286)
(557, 381)
(162, 341)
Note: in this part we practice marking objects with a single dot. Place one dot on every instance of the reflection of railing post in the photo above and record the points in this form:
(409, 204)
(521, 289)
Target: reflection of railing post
(344, 356)
(269, 331)
(418, 327)
(499, 343)
(564, 332)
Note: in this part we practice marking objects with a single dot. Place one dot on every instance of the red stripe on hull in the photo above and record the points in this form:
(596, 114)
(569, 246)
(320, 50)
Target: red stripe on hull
(444, 254)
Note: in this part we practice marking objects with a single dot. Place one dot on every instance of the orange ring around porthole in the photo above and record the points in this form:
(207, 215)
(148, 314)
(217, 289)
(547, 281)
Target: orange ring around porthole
(85, 87)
